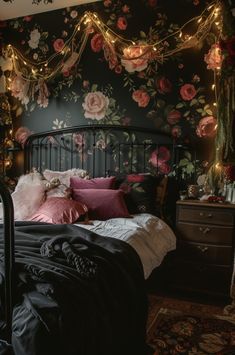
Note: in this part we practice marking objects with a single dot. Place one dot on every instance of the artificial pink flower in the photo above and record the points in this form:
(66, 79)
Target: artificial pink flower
(122, 23)
(214, 57)
(141, 97)
(97, 42)
(207, 127)
(27, 18)
(187, 92)
(134, 59)
(107, 3)
(58, 44)
(125, 9)
(159, 159)
(176, 131)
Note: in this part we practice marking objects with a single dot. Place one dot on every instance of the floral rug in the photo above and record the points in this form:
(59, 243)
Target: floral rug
(190, 329)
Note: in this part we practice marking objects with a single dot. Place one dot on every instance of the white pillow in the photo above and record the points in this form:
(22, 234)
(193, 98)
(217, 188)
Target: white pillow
(64, 176)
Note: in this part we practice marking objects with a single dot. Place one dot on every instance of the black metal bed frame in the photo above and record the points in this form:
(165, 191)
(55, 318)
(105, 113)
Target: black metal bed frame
(59, 150)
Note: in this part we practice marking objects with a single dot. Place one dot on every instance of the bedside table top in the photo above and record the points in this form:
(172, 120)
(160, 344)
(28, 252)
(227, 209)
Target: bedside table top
(205, 204)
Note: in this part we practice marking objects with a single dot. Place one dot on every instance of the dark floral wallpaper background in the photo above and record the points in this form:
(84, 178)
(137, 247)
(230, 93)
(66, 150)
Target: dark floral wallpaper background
(175, 96)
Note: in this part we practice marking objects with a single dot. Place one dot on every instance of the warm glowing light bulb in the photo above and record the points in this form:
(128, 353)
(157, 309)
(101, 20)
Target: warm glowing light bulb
(24, 62)
(199, 20)
(154, 48)
(213, 87)
(214, 104)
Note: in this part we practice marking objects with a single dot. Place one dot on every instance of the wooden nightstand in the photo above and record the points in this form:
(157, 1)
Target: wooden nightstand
(204, 256)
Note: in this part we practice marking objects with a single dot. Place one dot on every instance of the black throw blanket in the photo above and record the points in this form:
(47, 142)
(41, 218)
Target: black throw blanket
(76, 293)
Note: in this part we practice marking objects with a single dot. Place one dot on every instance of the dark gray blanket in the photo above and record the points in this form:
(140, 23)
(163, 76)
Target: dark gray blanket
(75, 293)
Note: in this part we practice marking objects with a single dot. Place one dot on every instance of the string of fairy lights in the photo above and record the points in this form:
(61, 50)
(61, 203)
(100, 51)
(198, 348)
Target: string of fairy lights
(122, 47)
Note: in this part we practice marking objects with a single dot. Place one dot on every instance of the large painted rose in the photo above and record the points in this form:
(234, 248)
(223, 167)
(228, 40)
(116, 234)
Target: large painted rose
(141, 97)
(95, 105)
(187, 92)
(19, 89)
(130, 63)
(214, 57)
(164, 85)
(22, 134)
(34, 39)
(97, 42)
(207, 127)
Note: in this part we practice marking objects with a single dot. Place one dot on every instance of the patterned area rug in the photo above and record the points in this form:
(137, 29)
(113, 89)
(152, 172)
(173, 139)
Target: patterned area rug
(189, 329)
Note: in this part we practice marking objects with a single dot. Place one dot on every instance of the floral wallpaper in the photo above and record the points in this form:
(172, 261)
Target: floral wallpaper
(174, 96)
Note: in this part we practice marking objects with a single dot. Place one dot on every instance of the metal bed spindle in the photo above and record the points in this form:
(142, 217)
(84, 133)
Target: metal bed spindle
(9, 258)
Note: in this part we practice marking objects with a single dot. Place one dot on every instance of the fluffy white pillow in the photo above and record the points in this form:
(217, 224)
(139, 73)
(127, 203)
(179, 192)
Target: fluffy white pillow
(64, 176)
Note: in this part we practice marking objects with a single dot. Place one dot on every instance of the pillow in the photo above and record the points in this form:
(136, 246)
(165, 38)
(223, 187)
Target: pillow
(28, 196)
(59, 210)
(140, 192)
(102, 203)
(64, 176)
(96, 183)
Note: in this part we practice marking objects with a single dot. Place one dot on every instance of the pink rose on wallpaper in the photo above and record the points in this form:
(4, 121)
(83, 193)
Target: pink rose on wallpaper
(95, 105)
(79, 141)
(141, 97)
(159, 159)
(173, 117)
(110, 56)
(134, 60)
(22, 134)
(214, 57)
(164, 85)
(135, 178)
(176, 131)
(58, 44)
(97, 42)
(187, 92)
(122, 23)
(207, 127)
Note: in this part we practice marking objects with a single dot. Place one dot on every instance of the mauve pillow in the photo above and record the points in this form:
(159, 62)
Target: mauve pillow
(59, 210)
(102, 203)
(96, 183)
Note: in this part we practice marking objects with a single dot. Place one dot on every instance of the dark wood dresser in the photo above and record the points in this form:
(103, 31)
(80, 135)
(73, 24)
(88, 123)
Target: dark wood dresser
(205, 247)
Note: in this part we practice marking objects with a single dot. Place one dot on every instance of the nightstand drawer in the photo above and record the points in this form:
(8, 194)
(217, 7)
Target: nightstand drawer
(203, 233)
(205, 253)
(206, 215)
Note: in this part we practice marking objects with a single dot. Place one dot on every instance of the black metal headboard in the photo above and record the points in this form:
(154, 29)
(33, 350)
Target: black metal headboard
(99, 149)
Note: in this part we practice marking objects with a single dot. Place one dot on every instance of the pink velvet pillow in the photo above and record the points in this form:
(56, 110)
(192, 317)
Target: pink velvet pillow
(96, 183)
(59, 210)
(102, 203)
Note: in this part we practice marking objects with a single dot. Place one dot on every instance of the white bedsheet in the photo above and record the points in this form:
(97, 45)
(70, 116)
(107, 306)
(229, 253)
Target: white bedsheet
(148, 235)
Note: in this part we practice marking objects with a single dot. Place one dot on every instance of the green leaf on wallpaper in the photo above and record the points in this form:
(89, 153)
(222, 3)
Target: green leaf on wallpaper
(186, 113)
(199, 110)
(112, 102)
(44, 35)
(113, 16)
(193, 102)
(115, 118)
(180, 105)
(188, 155)
(209, 112)
(202, 101)
(142, 34)
(190, 168)
(94, 87)
(183, 162)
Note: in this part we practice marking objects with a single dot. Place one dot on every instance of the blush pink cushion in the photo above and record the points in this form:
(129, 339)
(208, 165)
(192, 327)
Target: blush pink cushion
(59, 210)
(96, 183)
(102, 203)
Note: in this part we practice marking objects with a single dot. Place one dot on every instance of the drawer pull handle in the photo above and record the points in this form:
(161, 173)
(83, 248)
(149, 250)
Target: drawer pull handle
(210, 215)
(204, 230)
(202, 249)
(201, 214)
